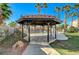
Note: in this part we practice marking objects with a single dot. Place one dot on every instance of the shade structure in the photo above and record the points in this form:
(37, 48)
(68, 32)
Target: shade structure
(39, 20)
(48, 20)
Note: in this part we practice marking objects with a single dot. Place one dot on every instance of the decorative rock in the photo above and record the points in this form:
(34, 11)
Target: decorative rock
(18, 46)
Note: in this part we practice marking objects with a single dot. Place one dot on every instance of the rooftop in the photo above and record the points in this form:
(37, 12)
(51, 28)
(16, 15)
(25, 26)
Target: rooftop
(39, 19)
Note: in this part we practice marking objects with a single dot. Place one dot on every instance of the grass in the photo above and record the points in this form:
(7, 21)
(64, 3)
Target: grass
(68, 47)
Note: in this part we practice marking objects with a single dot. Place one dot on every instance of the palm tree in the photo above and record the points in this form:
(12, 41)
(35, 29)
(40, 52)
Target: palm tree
(72, 14)
(76, 6)
(66, 10)
(6, 12)
(38, 6)
(58, 10)
(45, 6)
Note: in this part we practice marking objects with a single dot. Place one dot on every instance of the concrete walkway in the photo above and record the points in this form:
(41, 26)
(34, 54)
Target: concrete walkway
(39, 49)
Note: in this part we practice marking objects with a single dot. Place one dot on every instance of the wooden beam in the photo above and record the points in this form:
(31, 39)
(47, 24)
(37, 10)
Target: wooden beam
(22, 31)
(48, 33)
(55, 32)
(28, 33)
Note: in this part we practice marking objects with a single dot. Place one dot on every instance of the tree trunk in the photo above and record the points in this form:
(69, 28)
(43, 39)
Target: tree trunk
(71, 21)
(65, 21)
(1, 20)
(78, 22)
(58, 14)
(38, 10)
(45, 11)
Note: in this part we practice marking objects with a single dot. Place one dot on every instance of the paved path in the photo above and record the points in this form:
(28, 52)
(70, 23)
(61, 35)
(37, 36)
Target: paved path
(34, 49)
(39, 49)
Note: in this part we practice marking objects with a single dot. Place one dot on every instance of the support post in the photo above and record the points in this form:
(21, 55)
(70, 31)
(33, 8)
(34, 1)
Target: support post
(48, 33)
(22, 31)
(55, 31)
(28, 33)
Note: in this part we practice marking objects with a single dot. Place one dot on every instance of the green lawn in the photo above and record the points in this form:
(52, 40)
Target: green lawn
(68, 47)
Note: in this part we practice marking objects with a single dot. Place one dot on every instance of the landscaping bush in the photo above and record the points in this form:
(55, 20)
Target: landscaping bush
(2, 34)
(72, 29)
(9, 40)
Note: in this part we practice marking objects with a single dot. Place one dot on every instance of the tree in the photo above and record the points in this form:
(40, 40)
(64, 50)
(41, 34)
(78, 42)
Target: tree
(45, 6)
(66, 10)
(62, 26)
(58, 10)
(72, 14)
(38, 6)
(76, 6)
(12, 24)
(5, 12)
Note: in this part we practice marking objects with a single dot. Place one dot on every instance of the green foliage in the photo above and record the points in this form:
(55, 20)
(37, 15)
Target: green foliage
(62, 26)
(72, 14)
(76, 6)
(6, 12)
(72, 29)
(45, 5)
(66, 8)
(9, 40)
(57, 9)
(39, 6)
(12, 24)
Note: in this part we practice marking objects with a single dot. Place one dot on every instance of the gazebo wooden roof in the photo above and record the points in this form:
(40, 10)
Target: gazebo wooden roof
(39, 20)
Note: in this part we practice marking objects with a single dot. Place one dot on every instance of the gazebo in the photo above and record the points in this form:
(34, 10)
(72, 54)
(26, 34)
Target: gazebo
(47, 20)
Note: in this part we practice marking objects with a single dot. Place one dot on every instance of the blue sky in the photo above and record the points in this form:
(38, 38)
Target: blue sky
(19, 9)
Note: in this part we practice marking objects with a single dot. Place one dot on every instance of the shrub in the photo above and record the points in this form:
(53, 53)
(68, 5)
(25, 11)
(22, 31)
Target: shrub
(72, 29)
(9, 40)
